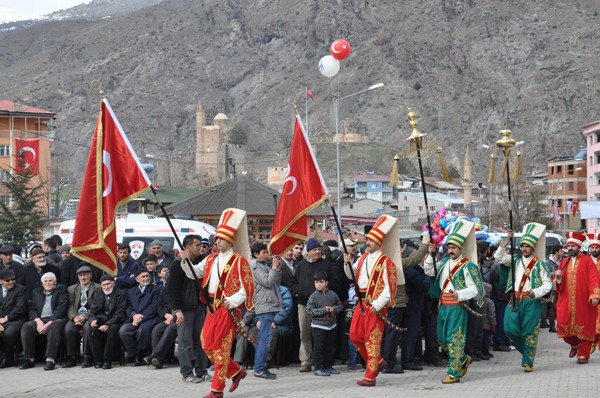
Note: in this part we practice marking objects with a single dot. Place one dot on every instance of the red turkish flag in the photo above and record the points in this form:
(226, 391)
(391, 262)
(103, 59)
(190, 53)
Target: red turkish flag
(574, 208)
(303, 190)
(309, 94)
(28, 159)
(113, 177)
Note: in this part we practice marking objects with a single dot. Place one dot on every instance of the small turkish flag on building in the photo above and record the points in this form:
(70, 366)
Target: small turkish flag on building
(113, 177)
(28, 159)
(303, 190)
(309, 94)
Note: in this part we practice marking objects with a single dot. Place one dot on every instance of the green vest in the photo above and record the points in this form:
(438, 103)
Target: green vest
(458, 281)
(535, 278)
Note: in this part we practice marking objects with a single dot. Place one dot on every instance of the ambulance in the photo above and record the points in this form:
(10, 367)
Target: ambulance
(138, 230)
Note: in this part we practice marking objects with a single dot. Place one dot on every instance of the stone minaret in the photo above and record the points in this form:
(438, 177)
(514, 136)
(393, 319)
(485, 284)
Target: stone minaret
(208, 142)
(467, 183)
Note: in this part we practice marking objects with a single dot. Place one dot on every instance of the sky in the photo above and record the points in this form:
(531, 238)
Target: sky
(39, 7)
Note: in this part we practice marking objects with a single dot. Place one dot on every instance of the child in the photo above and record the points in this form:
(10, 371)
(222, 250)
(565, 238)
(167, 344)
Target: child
(322, 307)
(352, 352)
(489, 320)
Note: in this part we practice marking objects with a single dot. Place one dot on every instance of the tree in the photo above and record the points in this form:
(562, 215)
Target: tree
(22, 222)
(238, 135)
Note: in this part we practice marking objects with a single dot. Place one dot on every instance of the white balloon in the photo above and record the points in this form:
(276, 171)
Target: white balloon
(329, 66)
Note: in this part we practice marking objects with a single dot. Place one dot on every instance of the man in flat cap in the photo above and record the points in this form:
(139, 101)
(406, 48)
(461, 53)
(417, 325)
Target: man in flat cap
(13, 314)
(7, 261)
(142, 302)
(80, 302)
(40, 265)
(106, 316)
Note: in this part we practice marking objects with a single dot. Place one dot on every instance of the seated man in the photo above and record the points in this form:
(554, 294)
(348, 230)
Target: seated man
(35, 267)
(126, 268)
(48, 315)
(142, 302)
(151, 263)
(13, 313)
(106, 316)
(80, 302)
(164, 333)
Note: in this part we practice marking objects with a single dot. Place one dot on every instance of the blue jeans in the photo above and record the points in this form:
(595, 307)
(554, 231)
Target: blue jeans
(264, 339)
(352, 354)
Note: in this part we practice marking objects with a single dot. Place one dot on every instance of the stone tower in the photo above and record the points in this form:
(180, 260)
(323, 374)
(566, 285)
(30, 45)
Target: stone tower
(208, 141)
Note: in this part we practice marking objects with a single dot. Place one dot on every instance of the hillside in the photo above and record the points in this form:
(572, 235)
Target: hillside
(467, 68)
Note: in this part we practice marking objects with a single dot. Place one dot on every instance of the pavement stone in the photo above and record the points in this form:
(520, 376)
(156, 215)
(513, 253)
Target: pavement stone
(502, 376)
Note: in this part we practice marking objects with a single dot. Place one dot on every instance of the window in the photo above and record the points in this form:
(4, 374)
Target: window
(4, 175)
(4, 150)
(570, 169)
(405, 198)
(352, 206)
(374, 185)
(432, 209)
(597, 137)
(420, 209)
(5, 200)
(559, 202)
(552, 170)
(559, 169)
(406, 208)
(571, 186)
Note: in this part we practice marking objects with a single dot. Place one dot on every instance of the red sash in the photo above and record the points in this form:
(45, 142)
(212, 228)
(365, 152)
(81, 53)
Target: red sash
(525, 276)
(219, 294)
(453, 272)
(378, 268)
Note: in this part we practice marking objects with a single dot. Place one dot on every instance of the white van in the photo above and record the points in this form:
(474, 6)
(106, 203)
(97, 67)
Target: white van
(552, 239)
(138, 230)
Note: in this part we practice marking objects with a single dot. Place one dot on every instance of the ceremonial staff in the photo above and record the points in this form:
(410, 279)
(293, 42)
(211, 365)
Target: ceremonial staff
(506, 143)
(416, 145)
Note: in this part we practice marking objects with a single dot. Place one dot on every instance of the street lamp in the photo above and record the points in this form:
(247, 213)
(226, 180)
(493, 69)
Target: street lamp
(336, 101)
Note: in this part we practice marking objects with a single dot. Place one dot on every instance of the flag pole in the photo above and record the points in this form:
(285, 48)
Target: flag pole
(341, 238)
(506, 143)
(306, 111)
(188, 262)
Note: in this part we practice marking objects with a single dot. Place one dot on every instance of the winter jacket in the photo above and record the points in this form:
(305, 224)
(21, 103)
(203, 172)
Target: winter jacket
(267, 297)
(319, 315)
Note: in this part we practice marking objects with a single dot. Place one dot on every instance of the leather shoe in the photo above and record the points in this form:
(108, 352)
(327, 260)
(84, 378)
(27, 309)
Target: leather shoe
(392, 371)
(450, 380)
(236, 379)
(573, 352)
(366, 383)
(7, 363)
(582, 360)
(87, 362)
(552, 329)
(465, 366)
(528, 368)
(148, 359)
(135, 361)
(213, 394)
(411, 366)
(49, 365)
(107, 365)
(27, 364)
(305, 368)
(69, 363)
(157, 363)
(382, 365)
(98, 365)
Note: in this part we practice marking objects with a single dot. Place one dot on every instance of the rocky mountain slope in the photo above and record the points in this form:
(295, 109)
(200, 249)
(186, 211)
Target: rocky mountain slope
(467, 68)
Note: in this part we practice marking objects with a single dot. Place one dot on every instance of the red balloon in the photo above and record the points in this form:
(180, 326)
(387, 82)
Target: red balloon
(340, 49)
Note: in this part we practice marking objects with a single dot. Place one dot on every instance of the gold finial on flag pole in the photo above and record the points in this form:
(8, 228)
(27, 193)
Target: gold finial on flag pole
(98, 85)
(292, 100)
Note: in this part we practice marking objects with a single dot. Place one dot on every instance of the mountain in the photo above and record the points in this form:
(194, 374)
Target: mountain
(467, 68)
(8, 15)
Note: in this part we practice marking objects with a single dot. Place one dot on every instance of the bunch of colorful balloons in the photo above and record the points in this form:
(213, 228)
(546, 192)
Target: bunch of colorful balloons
(329, 65)
(442, 224)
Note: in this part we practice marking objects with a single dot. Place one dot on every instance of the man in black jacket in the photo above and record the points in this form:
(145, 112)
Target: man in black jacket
(106, 316)
(13, 313)
(48, 315)
(39, 266)
(305, 273)
(9, 263)
(183, 294)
